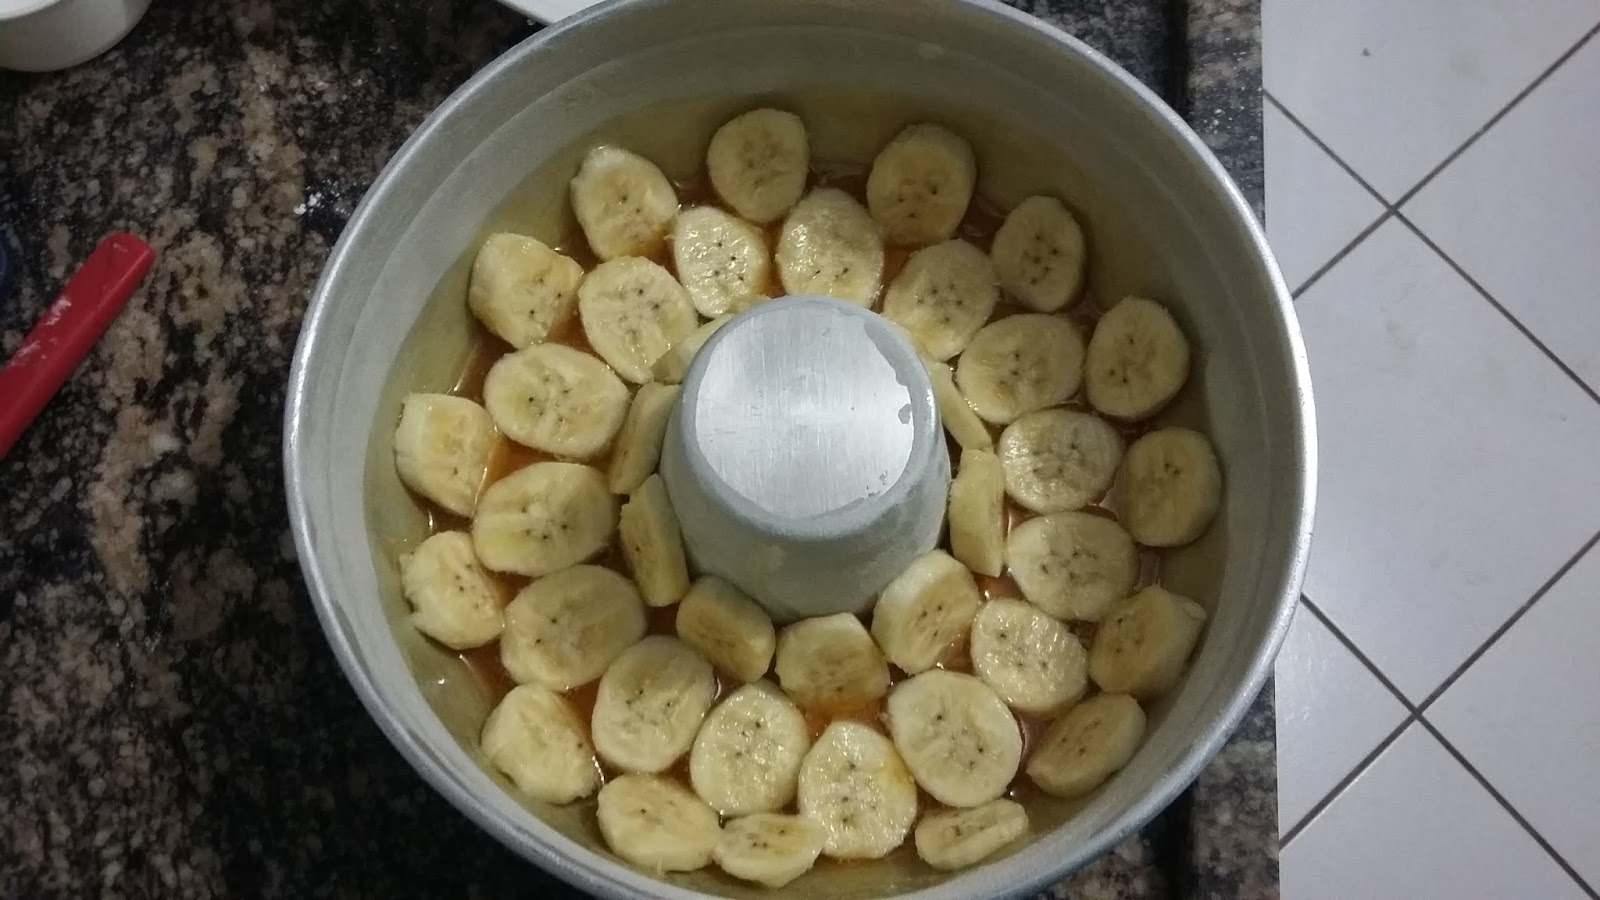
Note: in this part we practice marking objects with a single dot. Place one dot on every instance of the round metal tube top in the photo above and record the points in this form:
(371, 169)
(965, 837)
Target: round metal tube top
(805, 458)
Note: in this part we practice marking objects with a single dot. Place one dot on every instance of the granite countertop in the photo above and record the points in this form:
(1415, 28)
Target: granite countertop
(174, 723)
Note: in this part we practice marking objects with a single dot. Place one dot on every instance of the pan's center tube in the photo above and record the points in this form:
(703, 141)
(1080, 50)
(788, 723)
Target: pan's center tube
(805, 459)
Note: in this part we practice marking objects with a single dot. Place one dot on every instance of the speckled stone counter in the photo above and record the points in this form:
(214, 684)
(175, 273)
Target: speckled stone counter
(172, 722)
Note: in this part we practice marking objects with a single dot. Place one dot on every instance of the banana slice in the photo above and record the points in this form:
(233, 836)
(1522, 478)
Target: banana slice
(722, 261)
(830, 246)
(544, 517)
(565, 629)
(1039, 254)
(830, 662)
(1059, 459)
(1087, 745)
(747, 756)
(1170, 487)
(657, 824)
(1138, 359)
(729, 629)
(653, 545)
(954, 410)
(1072, 565)
(451, 597)
(553, 398)
(855, 786)
(1032, 661)
(1141, 648)
(943, 296)
(978, 513)
(638, 448)
(958, 838)
(520, 288)
(441, 449)
(758, 163)
(924, 610)
(920, 185)
(1019, 364)
(956, 736)
(650, 704)
(623, 203)
(769, 849)
(632, 312)
(538, 740)
(673, 366)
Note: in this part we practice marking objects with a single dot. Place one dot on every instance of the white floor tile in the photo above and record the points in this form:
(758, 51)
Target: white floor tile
(1520, 211)
(1394, 87)
(1457, 463)
(1525, 716)
(1331, 713)
(1417, 825)
(1314, 208)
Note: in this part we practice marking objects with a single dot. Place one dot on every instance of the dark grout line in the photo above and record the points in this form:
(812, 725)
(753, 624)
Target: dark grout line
(1345, 782)
(1312, 136)
(1511, 810)
(1415, 711)
(1507, 624)
(1356, 652)
(1506, 313)
(1495, 119)
(1343, 252)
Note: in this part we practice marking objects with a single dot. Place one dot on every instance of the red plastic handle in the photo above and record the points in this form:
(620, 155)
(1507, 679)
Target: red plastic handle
(65, 333)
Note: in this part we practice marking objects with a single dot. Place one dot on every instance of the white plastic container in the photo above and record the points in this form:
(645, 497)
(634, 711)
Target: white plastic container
(48, 35)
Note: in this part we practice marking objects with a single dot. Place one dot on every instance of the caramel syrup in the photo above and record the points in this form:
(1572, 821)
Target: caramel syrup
(978, 227)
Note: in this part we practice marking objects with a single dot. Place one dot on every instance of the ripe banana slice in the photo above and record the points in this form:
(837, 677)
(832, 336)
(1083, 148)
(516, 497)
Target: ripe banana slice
(553, 398)
(657, 824)
(520, 288)
(924, 610)
(441, 449)
(978, 513)
(538, 740)
(673, 366)
(943, 296)
(1138, 359)
(1019, 364)
(769, 849)
(650, 704)
(854, 785)
(956, 735)
(722, 261)
(1032, 661)
(1141, 648)
(747, 756)
(758, 163)
(1059, 459)
(638, 447)
(920, 185)
(623, 203)
(831, 663)
(958, 838)
(451, 597)
(544, 517)
(565, 629)
(954, 411)
(1072, 565)
(1087, 745)
(1171, 487)
(653, 545)
(830, 246)
(632, 312)
(729, 629)
(1039, 254)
